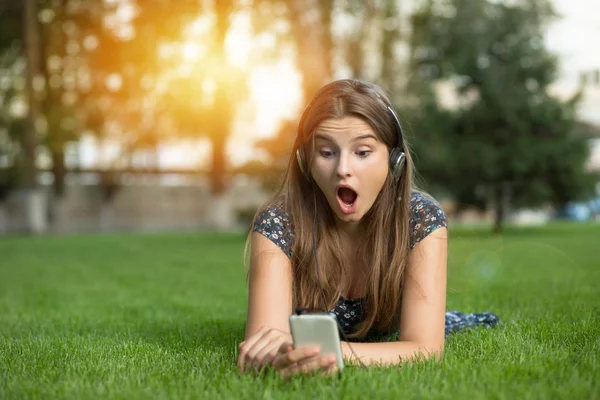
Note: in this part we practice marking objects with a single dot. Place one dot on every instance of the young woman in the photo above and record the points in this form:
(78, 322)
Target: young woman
(348, 228)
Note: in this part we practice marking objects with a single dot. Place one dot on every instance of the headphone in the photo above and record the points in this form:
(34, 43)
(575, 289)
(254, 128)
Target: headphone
(397, 156)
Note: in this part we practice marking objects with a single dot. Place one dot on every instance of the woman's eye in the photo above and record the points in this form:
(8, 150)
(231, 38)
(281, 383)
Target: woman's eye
(326, 153)
(363, 153)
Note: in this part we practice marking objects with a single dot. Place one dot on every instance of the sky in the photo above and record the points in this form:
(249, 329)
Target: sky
(576, 39)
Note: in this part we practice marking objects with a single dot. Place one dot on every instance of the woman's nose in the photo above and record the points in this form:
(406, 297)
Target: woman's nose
(344, 167)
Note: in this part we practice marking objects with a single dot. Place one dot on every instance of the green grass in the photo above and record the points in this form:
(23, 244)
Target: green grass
(160, 316)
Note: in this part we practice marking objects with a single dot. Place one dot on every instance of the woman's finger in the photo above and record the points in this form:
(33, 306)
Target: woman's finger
(267, 354)
(285, 347)
(250, 359)
(326, 365)
(248, 345)
(267, 340)
(285, 359)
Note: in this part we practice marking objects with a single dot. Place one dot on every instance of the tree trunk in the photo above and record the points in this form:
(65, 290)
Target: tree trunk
(313, 40)
(220, 214)
(59, 171)
(35, 215)
(223, 109)
(53, 41)
(389, 65)
(3, 219)
(221, 127)
(355, 56)
(56, 215)
(501, 202)
(107, 213)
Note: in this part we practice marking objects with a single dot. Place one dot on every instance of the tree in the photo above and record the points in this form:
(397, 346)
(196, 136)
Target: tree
(33, 211)
(317, 47)
(507, 140)
(49, 38)
(102, 68)
(11, 125)
(157, 92)
(54, 55)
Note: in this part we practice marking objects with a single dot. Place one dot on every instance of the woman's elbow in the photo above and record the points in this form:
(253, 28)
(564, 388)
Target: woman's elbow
(434, 351)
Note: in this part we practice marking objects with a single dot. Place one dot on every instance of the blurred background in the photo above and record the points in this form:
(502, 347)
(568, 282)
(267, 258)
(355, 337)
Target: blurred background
(122, 115)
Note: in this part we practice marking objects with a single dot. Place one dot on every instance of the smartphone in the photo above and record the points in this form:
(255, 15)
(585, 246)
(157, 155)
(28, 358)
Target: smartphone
(317, 329)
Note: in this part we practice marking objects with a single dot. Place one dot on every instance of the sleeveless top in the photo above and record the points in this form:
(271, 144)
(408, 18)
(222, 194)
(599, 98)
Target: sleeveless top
(425, 217)
(274, 223)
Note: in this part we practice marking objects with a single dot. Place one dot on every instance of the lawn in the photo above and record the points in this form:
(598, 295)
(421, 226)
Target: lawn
(160, 316)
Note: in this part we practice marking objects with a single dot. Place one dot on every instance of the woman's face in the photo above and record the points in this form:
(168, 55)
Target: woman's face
(350, 166)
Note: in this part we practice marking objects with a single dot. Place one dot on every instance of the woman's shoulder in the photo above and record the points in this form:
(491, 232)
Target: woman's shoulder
(426, 215)
(274, 222)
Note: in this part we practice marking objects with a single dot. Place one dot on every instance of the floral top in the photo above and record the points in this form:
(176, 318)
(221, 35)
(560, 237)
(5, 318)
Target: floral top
(426, 217)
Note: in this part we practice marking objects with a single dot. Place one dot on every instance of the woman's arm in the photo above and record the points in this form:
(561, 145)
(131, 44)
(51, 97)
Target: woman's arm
(268, 340)
(269, 287)
(269, 304)
(423, 308)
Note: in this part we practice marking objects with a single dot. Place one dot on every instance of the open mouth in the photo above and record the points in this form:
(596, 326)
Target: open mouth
(347, 195)
(347, 199)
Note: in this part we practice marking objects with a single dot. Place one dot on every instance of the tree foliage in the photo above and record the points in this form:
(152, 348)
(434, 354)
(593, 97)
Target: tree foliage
(322, 54)
(506, 140)
(104, 74)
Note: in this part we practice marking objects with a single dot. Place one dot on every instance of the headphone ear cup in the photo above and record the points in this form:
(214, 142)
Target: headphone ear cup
(397, 162)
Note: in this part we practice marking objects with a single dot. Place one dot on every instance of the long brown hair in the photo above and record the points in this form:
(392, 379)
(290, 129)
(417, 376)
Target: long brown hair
(385, 244)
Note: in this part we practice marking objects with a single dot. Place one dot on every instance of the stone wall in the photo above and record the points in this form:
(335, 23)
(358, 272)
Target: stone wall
(139, 206)
(147, 205)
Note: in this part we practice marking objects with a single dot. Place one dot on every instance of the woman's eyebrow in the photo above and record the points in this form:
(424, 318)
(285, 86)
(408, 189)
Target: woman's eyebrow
(324, 136)
(366, 136)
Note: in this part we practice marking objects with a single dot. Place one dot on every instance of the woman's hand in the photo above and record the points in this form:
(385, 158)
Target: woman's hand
(261, 348)
(273, 347)
(290, 361)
